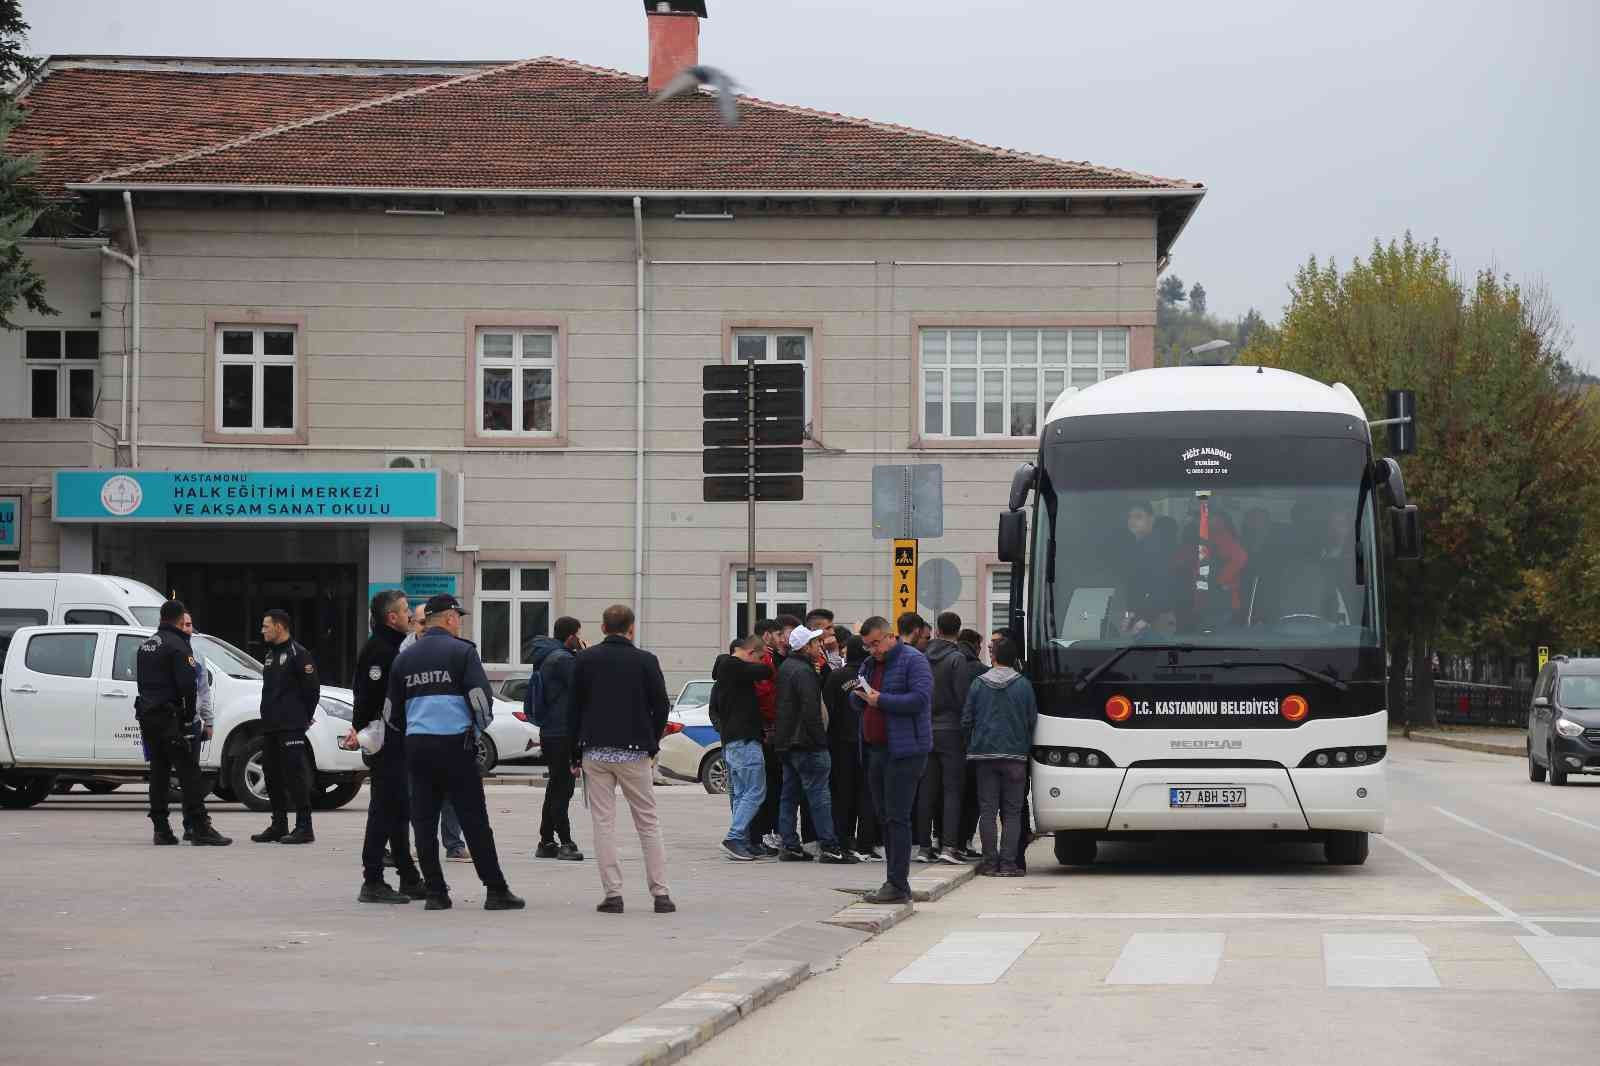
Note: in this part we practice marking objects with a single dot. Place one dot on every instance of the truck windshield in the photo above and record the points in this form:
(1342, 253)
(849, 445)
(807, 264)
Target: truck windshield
(225, 657)
(1248, 542)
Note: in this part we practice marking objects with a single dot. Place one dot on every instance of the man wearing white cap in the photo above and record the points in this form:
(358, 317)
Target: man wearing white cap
(801, 740)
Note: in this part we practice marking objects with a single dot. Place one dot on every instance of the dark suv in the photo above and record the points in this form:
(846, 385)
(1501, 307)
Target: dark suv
(1564, 722)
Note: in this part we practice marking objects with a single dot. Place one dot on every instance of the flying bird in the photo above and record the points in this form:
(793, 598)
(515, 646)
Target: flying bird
(694, 77)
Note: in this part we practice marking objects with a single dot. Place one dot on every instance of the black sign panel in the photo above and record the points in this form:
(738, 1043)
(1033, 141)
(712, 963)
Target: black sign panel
(780, 404)
(725, 489)
(720, 434)
(781, 431)
(725, 405)
(718, 378)
(780, 376)
(768, 489)
(768, 460)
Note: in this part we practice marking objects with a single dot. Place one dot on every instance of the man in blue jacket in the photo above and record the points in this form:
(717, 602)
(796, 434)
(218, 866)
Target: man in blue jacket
(895, 698)
(548, 704)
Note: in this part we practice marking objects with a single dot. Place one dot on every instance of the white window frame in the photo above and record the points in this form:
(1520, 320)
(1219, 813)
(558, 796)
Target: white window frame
(1006, 368)
(515, 596)
(63, 368)
(258, 361)
(771, 335)
(518, 362)
(996, 601)
(767, 593)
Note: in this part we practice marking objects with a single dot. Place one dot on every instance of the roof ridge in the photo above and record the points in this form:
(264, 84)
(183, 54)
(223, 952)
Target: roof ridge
(251, 138)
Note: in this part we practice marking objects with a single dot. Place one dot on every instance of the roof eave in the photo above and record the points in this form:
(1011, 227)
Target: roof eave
(120, 185)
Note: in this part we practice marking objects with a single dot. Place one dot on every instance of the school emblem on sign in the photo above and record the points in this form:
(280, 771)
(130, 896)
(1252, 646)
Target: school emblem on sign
(121, 495)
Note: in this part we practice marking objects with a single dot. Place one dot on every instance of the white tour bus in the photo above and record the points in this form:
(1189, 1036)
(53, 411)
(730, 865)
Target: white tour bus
(1204, 619)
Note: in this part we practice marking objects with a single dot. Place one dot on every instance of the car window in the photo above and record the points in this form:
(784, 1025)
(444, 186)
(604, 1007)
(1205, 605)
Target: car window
(1580, 692)
(125, 658)
(13, 619)
(147, 616)
(514, 689)
(62, 654)
(86, 616)
(695, 694)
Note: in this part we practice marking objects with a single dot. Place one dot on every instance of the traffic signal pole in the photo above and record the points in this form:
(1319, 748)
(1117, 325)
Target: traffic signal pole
(750, 484)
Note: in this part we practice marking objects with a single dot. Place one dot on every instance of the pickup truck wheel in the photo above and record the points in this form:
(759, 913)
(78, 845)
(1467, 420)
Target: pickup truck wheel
(249, 777)
(19, 793)
(331, 795)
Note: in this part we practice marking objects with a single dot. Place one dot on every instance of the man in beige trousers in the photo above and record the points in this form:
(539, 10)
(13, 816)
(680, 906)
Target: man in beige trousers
(619, 713)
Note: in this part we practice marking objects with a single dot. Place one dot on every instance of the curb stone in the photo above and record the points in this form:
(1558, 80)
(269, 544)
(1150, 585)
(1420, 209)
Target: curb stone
(1488, 748)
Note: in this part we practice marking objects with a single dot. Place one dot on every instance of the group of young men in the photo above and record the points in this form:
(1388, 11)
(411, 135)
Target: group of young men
(893, 734)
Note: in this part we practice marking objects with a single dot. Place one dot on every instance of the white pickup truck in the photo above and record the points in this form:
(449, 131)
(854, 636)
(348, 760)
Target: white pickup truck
(66, 709)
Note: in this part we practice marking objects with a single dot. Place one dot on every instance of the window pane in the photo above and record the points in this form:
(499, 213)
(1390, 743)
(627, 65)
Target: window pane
(534, 622)
(44, 344)
(538, 346)
(497, 345)
(791, 581)
(43, 382)
(1104, 374)
(238, 384)
(497, 398)
(791, 347)
(279, 342)
(994, 401)
(536, 409)
(238, 342)
(1085, 347)
(80, 397)
(1000, 582)
(933, 402)
(1053, 346)
(1024, 346)
(1114, 347)
(1083, 376)
(1055, 383)
(934, 346)
(963, 347)
(83, 344)
(535, 579)
(963, 403)
(125, 659)
(1024, 402)
(277, 397)
(739, 584)
(993, 347)
(494, 631)
(92, 617)
(62, 654)
(795, 607)
(752, 346)
(495, 579)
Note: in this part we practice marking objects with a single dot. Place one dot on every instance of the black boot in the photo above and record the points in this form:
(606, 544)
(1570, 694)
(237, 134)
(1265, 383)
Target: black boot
(503, 899)
(302, 833)
(437, 901)
(272, 833)
(204, 834)
(379, 892)
(414, 889)
(163, 834)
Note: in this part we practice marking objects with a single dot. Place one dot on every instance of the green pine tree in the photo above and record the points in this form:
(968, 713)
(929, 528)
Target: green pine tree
(21, 205)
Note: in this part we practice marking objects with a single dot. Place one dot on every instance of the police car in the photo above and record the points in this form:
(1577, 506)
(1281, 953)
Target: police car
(692, 749)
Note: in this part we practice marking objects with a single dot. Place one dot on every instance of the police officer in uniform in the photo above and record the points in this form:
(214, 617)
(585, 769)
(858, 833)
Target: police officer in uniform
(440, 698)
(388, 806)
(289, 693)
(165, 672)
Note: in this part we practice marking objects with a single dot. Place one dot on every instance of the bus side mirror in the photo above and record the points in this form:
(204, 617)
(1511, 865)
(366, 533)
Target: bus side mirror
(1013, 536)
(1386, 474)
(1406, 527)
(1021, 484)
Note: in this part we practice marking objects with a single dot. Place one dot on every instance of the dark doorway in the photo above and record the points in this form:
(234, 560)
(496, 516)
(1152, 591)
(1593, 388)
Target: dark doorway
(228, 600)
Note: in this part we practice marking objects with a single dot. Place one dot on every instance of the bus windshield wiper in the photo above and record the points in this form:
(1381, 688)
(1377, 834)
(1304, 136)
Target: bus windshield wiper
(1303, 671)
(1089, 678)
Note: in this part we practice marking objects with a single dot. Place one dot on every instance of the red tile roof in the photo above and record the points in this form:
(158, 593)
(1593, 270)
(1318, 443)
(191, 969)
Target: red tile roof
(539, 124)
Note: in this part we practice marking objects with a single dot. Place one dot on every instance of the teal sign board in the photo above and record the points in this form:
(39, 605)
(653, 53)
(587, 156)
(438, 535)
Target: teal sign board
(419, 587)
(10, 523)
(362, 497)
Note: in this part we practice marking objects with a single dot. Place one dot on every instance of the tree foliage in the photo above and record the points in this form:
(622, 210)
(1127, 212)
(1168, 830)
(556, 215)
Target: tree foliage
(1197, 299)
(1507, 446)
(1170, 291)
(21, 205)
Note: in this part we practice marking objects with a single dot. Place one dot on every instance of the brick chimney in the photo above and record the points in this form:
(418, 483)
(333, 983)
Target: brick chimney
(674, 38)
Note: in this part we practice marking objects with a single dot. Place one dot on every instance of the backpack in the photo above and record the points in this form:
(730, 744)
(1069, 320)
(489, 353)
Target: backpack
(535, 697)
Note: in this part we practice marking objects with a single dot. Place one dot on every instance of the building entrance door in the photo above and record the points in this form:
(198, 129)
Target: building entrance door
(228, 600)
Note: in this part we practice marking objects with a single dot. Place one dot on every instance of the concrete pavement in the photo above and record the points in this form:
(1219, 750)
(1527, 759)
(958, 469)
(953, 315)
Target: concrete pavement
(1471, 936)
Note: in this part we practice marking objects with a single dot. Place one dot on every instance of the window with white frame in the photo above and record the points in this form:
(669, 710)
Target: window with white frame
(517, 382)
(513, 609)
(776, 345)
(997, 601)
(63, 372)
(255, 379)
(1000, 383)
(779, 590)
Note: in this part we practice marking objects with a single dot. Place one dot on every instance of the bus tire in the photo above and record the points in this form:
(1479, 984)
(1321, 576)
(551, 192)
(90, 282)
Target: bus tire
(1075, 849)
(1347, 848)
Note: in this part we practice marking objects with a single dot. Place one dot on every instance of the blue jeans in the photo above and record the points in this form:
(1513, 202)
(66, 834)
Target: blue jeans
(747, 785)
(894, 793)
(809, 770)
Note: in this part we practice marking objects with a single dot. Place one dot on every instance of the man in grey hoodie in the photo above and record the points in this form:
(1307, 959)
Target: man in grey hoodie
(998, 720)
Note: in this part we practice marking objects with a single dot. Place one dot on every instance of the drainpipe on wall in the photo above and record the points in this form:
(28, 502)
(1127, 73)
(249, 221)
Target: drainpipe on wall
(638, 427)
(128, 439)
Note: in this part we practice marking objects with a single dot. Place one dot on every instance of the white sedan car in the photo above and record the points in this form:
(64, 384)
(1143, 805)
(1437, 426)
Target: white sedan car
(511, 737)
(692, 750)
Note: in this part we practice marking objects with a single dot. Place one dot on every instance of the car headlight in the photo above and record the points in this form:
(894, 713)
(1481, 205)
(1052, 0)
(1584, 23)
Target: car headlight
(335, 709)
(1568, 728)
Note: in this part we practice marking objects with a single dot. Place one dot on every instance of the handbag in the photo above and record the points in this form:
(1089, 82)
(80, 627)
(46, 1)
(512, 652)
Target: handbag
(370, 737)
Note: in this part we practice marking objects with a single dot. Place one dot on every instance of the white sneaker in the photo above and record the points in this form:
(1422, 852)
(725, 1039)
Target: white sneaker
(773, 840)
(924, 855)
(869, 856)
(948, 855)
(812, 848)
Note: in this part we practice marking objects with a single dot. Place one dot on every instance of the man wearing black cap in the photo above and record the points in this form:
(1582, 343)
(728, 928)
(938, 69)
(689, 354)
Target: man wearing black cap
(439, 698)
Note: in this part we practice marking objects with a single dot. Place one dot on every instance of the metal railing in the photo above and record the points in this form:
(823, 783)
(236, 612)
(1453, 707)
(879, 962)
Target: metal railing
(1471, 703)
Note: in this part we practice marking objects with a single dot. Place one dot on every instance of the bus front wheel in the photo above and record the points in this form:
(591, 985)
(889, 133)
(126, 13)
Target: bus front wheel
(1346, 848)
(1075, 849)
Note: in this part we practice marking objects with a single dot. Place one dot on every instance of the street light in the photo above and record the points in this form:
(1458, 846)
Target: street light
(1205, 350)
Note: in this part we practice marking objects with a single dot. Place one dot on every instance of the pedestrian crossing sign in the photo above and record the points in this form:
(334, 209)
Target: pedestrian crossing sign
(1544, 655)
(903, 578)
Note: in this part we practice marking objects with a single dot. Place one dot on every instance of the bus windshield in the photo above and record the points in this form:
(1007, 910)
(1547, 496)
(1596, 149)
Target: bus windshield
(1245, 542)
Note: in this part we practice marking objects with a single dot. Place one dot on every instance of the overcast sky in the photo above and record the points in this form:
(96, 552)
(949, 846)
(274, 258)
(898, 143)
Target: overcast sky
(1316, 126)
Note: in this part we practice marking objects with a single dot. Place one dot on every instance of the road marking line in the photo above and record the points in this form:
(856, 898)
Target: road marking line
(1487, 900)
(1367, 960)
(1552, 856)
(1265, 916)
(1569, 818)
(1168, 959)
(1569, 961)
(966, 959)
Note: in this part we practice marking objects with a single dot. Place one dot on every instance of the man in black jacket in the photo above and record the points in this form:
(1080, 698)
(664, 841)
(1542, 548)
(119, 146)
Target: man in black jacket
(853, 820)
(290, 690)
(739, 723)
(388, 802)
(944, 780)
(801, 738)
(549, 705)
(619, 713)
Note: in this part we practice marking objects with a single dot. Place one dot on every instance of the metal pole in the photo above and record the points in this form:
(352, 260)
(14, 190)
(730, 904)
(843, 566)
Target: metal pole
(750, 493)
